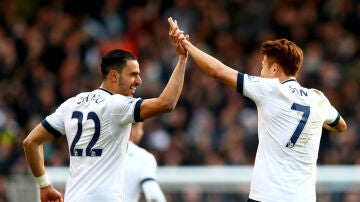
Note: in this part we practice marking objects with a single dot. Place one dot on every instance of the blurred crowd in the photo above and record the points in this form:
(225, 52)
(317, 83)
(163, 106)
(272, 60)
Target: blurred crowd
(50, 50)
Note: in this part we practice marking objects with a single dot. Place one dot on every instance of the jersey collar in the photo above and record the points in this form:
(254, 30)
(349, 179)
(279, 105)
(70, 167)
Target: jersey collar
(106, 90)
(290, 79)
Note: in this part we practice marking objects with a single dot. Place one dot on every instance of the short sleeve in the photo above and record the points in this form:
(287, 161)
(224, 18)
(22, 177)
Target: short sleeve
(332, 116)
(257, 88)
(125, 109)
(54, 123)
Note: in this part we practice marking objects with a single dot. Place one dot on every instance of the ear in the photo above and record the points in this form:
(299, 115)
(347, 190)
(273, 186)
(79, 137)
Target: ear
(113, 75)
(274, 68)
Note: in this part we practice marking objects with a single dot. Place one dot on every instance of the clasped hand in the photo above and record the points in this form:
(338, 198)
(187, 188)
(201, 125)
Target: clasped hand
(177, 37)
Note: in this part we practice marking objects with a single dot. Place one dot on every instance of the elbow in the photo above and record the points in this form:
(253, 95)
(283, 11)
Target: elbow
(213, 72)
(169, 107)
(343, 127)
(167, 103)
(27, 143)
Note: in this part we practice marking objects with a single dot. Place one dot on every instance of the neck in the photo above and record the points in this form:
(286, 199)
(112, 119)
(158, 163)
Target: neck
(106, 87)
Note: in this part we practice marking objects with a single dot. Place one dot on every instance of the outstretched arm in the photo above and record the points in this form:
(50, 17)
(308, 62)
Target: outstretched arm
(169, 97)
(206, 62)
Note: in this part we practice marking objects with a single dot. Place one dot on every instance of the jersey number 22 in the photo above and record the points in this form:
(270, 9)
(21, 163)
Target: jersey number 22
(89, 151)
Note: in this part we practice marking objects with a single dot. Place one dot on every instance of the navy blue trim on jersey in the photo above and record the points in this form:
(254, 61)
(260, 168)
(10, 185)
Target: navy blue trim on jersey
(335, 122)
(137, 111)
(106, 91)
(240, 83)
(288, 81)
(147, 179)
(50, 129)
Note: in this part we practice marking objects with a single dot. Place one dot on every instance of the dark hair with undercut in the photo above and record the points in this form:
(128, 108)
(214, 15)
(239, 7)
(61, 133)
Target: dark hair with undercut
(286, 53)
(115, 59)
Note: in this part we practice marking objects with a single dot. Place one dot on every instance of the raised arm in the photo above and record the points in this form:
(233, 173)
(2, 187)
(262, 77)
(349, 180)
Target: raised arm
(210, 65)
(169, 97)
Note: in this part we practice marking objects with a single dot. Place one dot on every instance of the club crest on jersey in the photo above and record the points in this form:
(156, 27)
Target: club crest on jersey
(300, 92)
(253, 78)
(131, 100)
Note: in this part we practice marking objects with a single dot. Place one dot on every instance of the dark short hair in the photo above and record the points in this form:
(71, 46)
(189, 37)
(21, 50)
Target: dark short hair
(286, 53)
(115, 59)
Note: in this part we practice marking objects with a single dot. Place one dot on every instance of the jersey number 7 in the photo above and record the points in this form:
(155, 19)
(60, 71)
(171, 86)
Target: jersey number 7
(89, 149)
(301, 125)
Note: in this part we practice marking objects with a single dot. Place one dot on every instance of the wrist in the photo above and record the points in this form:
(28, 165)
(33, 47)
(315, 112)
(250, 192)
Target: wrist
(183, 57)
(43, 180)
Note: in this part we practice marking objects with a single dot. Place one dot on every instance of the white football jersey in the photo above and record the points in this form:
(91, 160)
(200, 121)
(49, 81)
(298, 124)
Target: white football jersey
(140, 166)
(290, 122)
(97, 126)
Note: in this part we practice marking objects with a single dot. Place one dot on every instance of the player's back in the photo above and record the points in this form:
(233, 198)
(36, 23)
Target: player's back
(290, 124)
(140, 166)
(292, 116)
(97, 127)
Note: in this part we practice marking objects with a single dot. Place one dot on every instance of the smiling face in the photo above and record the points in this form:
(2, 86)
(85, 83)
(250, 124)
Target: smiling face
(129, 78)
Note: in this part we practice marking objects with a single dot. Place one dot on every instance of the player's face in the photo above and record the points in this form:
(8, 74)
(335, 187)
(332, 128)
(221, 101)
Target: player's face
(129, 78)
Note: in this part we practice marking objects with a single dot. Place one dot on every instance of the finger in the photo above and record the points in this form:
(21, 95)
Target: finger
(175, 31)
(178, 33)
(171, 22)
(181, 37)
(174, 24)
(173, 28)
(171, 25)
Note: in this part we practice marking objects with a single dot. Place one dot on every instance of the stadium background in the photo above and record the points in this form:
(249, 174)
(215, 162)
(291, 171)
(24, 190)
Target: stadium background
(50, 50)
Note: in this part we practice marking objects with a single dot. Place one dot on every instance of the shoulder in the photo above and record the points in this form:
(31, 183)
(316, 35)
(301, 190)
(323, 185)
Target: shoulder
(259, 85)
(257, 80)
(68, 102)
(317, 92)
(118, 98)
(141, 153)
